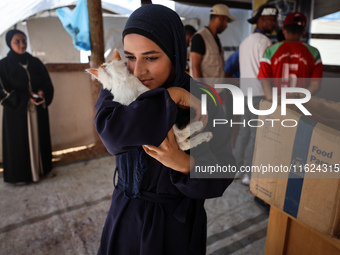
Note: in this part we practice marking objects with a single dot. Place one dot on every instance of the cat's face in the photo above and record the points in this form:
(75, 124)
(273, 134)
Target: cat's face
(95, 71)
(147, 61)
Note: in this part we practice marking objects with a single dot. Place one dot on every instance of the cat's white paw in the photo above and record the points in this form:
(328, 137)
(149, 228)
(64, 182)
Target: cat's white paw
(183, 134)
(195, 126)
(195, 141)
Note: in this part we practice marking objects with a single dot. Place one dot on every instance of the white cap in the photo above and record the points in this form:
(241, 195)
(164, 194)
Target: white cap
(223, 10)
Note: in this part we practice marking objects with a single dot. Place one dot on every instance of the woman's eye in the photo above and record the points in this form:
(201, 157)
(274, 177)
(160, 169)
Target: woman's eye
(18, 41)
(151, 58)
(129, 57)
(146, 58)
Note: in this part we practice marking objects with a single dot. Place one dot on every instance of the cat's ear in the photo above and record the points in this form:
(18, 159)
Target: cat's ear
(93, 71)
(115, 55)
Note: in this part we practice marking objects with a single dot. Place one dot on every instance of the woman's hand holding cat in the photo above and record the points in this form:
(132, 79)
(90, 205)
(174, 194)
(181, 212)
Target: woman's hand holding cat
(169, 154)
(184, 99)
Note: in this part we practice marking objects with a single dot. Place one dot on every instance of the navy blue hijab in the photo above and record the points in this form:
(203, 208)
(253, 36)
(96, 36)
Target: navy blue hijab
(164, 27)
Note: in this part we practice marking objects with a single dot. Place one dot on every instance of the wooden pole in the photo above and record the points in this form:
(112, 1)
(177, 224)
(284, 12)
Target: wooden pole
(97, 55)
(96, 32)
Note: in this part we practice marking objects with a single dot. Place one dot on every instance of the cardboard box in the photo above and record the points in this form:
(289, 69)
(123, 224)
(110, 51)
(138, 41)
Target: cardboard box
(310, 194)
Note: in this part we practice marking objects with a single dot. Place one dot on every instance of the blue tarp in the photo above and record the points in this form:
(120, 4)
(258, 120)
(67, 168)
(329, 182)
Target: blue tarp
(76, 23)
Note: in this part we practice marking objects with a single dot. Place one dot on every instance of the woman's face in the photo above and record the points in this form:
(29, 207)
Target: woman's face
(19, 43)
(147, 61)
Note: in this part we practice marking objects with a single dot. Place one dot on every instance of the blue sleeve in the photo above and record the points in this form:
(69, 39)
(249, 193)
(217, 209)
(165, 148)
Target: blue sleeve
(232, 65)
(146, 121)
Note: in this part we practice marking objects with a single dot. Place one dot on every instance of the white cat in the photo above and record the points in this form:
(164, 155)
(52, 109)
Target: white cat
(126, 87)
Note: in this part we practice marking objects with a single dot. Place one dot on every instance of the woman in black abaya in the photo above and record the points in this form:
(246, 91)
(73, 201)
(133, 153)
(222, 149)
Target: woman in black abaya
(156, 207)
(26, 91)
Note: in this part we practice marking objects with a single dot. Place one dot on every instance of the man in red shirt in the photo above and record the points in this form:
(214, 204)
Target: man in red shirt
(291, 59)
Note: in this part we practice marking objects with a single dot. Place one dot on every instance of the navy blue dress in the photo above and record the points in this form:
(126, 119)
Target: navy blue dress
(164, 213)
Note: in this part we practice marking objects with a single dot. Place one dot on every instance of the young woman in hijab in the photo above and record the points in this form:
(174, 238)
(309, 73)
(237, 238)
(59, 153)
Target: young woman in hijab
(26, 91)
(156, 207)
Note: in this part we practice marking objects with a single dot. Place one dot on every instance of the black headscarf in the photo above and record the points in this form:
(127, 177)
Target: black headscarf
(164, 27)
(22, 58)
(10, 35)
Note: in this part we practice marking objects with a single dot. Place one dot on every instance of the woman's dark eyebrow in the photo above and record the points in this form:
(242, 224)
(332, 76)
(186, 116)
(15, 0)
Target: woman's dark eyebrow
(144, 53)
(151, 52)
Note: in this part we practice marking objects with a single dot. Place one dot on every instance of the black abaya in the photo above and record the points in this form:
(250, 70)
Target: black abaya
(16, 153)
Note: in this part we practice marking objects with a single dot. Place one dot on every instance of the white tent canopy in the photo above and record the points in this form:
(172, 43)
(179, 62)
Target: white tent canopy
(13, 11)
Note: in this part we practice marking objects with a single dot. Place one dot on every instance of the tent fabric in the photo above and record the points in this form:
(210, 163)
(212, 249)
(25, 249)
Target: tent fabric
(13, 11)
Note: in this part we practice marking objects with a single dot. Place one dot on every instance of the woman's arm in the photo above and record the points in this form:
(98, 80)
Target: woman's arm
(168, 152)
(212, 155)
(147, 120)
(15, 99)
(184, 99)
(170, 155)
(215, 153)
(45, 90)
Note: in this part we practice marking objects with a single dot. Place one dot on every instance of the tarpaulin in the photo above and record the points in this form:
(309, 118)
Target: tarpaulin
(76, 23)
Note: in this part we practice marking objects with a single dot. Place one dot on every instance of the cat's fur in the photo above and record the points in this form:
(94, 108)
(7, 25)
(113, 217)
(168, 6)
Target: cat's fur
(126, 87)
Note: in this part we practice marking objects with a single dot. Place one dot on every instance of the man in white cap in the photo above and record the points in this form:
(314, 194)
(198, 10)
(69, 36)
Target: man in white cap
(251, 51)
(206, 52)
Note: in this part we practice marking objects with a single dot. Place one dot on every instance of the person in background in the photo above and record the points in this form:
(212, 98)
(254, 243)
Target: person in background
(189, 32)
(251, 51)
(27, 91)
(291, 59)
(157, 206)
(206, 52)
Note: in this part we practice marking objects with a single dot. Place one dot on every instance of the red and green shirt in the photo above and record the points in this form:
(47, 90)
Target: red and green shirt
(289, 60)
